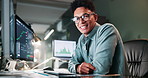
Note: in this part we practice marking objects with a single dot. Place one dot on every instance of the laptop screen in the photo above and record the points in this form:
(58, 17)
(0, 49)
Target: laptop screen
(63, 48)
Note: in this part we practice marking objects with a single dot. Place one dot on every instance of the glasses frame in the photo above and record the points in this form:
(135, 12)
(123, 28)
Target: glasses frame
(84, 17)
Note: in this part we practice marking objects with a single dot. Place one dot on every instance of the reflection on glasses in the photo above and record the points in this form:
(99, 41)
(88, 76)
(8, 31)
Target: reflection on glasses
(84, 17)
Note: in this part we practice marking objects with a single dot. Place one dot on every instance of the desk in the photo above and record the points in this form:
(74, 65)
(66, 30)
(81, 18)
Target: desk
(26, 74)
(40, 74)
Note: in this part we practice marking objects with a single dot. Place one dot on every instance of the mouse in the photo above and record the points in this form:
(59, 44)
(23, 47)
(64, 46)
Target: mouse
(48, 68)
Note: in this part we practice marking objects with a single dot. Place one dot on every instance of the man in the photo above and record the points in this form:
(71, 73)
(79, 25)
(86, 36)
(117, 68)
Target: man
(99, 49)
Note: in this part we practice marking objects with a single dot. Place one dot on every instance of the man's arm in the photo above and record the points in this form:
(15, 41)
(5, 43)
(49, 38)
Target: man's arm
(105, 49)
(75, 61)
(85, 68)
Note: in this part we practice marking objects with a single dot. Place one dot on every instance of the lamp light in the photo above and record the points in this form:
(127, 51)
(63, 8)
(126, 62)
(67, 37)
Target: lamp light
(48, 34)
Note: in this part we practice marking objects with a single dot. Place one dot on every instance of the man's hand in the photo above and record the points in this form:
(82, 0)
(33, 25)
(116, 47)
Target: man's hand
(85, 68)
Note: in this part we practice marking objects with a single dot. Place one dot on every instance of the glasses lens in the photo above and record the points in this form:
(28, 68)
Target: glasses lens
(84, 17)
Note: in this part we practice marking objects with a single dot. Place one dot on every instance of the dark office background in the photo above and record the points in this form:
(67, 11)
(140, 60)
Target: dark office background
(129, 16)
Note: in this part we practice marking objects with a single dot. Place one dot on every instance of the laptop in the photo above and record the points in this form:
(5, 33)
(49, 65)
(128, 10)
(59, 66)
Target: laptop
(63, 49)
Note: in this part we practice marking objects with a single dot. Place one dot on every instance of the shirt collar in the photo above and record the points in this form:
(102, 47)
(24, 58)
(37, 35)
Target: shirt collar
(91, 34)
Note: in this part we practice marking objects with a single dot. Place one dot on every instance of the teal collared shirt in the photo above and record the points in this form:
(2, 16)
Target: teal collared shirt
(103, 48)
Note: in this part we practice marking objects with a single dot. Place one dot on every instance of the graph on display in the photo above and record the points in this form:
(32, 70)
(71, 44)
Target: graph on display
(64, 48)
(23, 33)
(24, 47)
(64, 51)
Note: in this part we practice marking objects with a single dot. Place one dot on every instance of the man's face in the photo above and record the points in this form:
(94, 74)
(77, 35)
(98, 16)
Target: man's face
(85, 25)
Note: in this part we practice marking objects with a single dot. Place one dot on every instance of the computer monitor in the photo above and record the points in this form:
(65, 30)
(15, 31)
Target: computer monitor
(22, 37)
(63, 48)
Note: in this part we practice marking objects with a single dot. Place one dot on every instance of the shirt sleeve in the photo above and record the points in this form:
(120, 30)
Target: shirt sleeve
(106, 42)
(75, 60)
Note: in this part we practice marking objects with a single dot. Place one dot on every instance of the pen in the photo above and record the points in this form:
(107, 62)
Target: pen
(41, 74)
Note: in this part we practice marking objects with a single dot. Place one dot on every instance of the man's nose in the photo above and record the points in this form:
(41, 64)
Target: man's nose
(81, 20)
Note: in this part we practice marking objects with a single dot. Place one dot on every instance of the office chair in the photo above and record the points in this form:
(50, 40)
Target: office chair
(137, 57)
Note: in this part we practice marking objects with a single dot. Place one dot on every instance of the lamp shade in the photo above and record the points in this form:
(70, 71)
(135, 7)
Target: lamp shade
(36, 38)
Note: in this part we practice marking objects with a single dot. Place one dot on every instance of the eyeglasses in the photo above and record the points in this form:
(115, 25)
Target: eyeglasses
(84, 17)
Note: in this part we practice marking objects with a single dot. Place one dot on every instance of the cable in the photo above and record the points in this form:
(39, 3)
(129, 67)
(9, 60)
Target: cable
(44, 62)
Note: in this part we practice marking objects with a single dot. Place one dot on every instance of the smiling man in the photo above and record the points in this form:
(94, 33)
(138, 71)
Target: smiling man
(100, 48)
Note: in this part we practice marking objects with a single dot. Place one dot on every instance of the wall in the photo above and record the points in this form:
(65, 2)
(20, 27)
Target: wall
(73, 32)
(129, 16)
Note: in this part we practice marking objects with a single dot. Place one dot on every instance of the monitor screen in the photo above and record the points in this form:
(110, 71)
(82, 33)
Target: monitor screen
(63, 49)
(23, 48)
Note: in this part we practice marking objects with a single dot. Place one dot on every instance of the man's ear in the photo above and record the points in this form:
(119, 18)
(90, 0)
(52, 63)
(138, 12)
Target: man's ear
(96, 17)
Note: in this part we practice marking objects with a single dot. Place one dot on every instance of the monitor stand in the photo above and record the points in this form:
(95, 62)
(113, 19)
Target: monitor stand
(58, 62)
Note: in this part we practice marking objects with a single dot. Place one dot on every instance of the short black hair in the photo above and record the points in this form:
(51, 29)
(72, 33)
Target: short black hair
(82, 3)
